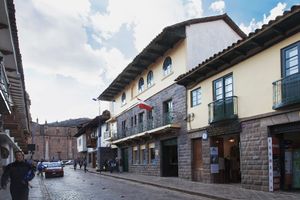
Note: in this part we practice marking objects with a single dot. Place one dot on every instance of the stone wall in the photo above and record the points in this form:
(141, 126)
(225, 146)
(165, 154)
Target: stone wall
(254, 147)
(178, 95)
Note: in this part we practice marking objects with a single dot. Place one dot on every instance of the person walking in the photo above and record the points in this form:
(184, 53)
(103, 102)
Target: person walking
(19, 173)
(75, 164)
(84, 165)
(41, 167)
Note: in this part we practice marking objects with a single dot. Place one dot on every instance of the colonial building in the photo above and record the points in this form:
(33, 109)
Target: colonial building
(91, 144)
(14, 101)
(243, 113)
(149, 109)
(54, 142)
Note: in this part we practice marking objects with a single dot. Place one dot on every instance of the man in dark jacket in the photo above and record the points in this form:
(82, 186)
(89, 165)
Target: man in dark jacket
(18, 174)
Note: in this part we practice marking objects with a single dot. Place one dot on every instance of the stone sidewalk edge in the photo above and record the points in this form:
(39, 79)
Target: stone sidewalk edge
(162, 186)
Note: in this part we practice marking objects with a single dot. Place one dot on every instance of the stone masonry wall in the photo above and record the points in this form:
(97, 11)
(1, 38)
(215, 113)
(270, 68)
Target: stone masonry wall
(254, 155)
(178, 95)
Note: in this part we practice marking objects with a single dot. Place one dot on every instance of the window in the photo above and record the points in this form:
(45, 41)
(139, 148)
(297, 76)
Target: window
(223, 87)
(196, 97)
(167, 66)
(141, 120)
(167, 112)
(152, 153)
(123, 98)
(290, 59)
(79, 142)
(150, 79)
(150, 121)
(124, 128)
(143, 154)
(135, 158)
(141, 85)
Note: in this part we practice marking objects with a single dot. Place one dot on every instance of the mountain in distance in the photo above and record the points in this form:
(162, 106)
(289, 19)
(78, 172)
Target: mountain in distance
(70, 122)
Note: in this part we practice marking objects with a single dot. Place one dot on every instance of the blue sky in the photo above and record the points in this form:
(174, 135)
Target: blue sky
(72, 50)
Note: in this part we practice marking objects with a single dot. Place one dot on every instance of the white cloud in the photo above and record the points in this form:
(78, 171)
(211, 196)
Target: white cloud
(276, 11)
(218, 6)
(62, 71)
(153, 16)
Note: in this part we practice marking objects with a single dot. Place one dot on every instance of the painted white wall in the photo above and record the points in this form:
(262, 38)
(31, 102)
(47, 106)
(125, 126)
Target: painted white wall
(81, 143)
(206, 39)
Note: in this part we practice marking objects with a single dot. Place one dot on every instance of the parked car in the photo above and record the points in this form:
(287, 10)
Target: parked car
(69, 162)
(54, 169)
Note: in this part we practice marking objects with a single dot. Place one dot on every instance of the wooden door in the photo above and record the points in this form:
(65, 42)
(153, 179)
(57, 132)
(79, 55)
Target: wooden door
(197, 163)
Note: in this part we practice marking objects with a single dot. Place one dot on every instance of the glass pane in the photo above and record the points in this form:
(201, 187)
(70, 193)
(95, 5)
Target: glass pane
(228, 94)
(219, 97)
(291, 52)
(292, 70)
(219, 91)
(218, 84)
(228, 80)
(228, 88)
(291, 62)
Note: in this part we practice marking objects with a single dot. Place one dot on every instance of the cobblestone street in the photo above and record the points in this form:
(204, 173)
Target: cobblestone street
(77, 185)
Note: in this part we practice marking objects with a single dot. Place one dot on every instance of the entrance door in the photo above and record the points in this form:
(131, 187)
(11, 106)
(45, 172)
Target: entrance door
(169, 158)
(124, 155)
(94, 160)
(197, 165)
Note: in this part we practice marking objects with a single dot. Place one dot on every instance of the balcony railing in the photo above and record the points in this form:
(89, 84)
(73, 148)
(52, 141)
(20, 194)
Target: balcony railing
(286, 91)
(149, 124)
(110, 135)
(4, 87)
(223, 109)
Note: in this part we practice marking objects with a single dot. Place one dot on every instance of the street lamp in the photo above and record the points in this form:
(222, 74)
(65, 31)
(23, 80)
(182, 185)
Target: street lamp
(99, 137)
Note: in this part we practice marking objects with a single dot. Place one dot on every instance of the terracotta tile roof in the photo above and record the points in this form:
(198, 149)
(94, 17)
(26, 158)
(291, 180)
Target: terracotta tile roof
(169, 36)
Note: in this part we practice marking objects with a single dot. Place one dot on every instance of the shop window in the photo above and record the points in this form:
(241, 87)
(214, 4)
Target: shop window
(143, 154)
(135, 158)
(152, 153)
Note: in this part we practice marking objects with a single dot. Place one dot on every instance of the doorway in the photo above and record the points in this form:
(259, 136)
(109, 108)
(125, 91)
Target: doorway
(169, 158)
(228, 159)
(197, 162)
(124, 155)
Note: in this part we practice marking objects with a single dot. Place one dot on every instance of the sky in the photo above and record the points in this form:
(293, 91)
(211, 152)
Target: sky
(73, 49)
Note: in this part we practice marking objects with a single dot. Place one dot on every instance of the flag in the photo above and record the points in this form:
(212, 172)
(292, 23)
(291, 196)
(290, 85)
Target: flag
(144, 105)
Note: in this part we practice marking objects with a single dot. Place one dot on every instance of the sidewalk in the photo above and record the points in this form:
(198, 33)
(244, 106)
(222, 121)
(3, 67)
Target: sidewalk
(214, 191)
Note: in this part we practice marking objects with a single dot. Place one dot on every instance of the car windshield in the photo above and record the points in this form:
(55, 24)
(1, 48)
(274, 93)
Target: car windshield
(54, 164)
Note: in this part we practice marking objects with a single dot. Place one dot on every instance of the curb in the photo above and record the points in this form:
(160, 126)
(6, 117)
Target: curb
(163, 186)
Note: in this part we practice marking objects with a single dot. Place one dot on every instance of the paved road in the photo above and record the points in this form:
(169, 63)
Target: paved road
(77, 185)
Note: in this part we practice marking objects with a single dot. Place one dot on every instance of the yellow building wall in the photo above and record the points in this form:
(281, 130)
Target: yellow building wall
(252, 84)
(178, 56)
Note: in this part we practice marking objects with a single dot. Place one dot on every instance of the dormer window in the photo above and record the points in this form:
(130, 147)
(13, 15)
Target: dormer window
(150, 79)
(123, 99)
(167, 66)
(141, 85)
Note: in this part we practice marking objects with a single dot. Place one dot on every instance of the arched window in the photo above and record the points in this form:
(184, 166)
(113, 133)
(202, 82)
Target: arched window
(167, 67)
(150, 79)
(123, 98)
(141, 85)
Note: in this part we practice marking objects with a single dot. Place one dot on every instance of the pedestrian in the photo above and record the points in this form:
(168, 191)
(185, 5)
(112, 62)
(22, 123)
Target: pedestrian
(80, 163)
(75, 164)
(112, 165)
(19, 173)
(41, 167)
(84, 165)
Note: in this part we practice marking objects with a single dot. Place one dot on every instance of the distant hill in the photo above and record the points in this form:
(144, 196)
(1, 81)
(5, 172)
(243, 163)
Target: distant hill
(70, 122)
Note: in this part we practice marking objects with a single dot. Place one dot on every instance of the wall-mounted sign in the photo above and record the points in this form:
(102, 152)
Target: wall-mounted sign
(204, 136)
(214, 160)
